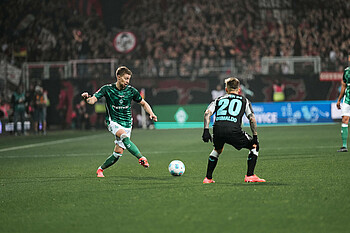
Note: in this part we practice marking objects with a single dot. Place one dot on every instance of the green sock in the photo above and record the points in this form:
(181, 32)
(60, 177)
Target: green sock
(132, 148)
(110, 160)
(344, 135)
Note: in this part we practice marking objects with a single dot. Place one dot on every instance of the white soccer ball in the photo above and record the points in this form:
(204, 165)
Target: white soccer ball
(176, 168)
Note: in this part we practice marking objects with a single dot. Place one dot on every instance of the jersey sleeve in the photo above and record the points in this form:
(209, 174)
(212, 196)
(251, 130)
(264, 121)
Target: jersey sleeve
(100, 92)
(346, 75)
(248, 108)
(211, 106)
(136, 95)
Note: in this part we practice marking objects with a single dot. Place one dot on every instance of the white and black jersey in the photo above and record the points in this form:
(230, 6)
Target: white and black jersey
(230, 110)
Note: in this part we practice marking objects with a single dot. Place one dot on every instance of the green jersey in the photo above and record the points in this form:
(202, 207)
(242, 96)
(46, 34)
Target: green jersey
(346, 79)
(18, 102)
(118, 103)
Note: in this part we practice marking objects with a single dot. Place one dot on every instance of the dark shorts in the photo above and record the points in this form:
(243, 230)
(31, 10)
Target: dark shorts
(40, 114)
(237, 139)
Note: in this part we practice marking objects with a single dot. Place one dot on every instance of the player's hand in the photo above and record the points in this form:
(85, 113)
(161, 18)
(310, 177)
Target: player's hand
(153, 117)
(85, 95)
(338, 105)
(206, 136)
(256, 142)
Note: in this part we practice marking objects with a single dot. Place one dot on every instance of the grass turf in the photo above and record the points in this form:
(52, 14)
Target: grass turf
(48, 184)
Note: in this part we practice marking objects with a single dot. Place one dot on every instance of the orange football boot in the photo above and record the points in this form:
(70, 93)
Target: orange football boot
(143, 161)
(252, 179)
(99, 173)
(208, 181)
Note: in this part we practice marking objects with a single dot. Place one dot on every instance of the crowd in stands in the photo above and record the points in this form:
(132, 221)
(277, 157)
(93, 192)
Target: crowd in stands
(202, 32)
(178, 37)
(186, 34)
(51, 31)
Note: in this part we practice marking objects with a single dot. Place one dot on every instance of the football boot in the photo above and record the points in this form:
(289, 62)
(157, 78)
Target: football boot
(99, 173)
(208, 181)
(143, 161)
(343, 149)
(252, 179)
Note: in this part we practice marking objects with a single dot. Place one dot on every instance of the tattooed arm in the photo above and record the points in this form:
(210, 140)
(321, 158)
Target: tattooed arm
(207, 116)
(253, 125)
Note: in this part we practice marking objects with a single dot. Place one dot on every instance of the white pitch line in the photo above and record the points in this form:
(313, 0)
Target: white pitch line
(148, 153)
(47, 143)
(80, 154)
(92, 136)
(45, 156)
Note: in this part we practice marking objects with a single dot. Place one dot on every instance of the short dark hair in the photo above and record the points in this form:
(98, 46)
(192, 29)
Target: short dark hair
(123, 70)
(232, 83)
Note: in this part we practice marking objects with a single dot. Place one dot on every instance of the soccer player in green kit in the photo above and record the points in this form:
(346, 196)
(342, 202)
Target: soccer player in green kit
(118, 115)
(345, 108)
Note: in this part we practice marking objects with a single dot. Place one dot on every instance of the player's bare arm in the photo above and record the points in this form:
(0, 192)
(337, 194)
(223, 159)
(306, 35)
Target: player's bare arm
(342, 92)
(89, 99)
(206, 137)
(148, 109)
(207, 116)
(253, 125)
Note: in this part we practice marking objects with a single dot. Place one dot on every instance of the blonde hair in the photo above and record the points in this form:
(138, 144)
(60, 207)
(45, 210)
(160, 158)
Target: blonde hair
(232, 83)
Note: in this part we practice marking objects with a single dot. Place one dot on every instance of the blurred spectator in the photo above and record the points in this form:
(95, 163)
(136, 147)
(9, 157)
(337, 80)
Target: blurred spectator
(40, 104)
(82, 116)
(217, 92)
(278, 91)
(30, 101)
(19, 108)
(62, 106)
(4, 108)
(81, 45)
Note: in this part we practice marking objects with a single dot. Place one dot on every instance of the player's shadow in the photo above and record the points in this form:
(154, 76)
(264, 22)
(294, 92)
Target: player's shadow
(48, 179)
(253, 184)
(144, 178)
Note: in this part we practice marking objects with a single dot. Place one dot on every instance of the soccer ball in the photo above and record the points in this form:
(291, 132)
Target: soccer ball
(176, 168)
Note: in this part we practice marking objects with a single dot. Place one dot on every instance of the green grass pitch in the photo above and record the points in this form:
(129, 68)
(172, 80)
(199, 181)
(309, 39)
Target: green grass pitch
(48, 184)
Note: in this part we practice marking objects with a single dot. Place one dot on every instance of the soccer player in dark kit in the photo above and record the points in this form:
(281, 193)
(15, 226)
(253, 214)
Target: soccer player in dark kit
(118, 115)
(229, 110)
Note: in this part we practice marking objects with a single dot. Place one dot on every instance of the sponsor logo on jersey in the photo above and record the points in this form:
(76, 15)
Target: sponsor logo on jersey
(120, 107)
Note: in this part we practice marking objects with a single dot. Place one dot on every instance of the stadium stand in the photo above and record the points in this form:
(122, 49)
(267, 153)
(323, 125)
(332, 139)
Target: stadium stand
(195, 33)
(175, 38)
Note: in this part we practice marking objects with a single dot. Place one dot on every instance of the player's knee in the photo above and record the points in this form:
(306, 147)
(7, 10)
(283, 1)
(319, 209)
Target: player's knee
(124, 136)
(118, 153)
(118, 149)
(215, 153)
